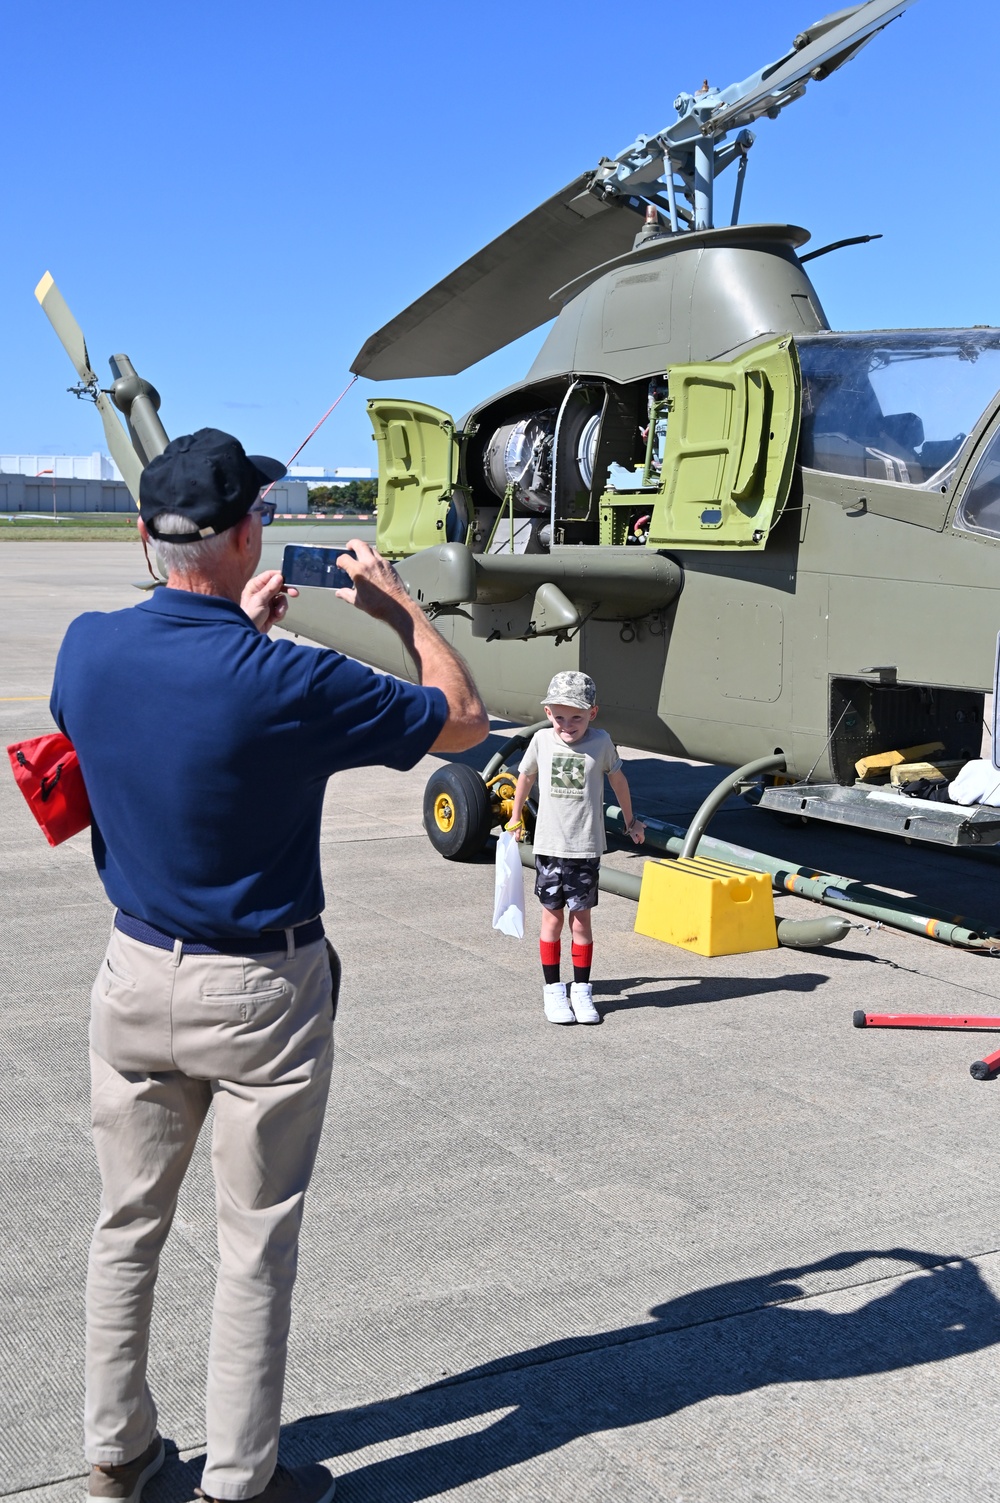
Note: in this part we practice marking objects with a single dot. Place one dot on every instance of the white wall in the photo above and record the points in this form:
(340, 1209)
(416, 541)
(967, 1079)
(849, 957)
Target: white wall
(94, 466)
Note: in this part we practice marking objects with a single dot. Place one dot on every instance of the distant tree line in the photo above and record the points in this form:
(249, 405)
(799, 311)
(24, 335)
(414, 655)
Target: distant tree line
(356, 495)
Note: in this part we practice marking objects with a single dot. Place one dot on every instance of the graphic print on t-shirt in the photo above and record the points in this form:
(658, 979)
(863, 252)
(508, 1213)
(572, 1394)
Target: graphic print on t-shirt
(569, 775)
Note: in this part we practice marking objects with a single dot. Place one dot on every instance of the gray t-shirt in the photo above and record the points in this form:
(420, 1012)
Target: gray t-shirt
(570, 791)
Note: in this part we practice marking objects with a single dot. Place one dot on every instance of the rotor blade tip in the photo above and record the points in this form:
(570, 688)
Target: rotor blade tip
(42, 290)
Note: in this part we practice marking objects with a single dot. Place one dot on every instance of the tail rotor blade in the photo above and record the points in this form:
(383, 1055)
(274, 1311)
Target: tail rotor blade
(120, 446)
(56, 309)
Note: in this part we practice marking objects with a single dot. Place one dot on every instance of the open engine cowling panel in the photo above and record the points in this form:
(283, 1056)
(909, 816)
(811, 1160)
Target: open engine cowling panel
(700, 457)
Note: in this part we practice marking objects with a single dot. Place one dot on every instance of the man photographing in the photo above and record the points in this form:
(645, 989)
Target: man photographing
(206, 749)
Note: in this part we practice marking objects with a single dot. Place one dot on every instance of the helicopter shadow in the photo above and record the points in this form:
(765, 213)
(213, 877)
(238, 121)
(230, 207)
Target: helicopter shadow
(729, 1339)
(952, 880)
(622, 995)
(672, 790)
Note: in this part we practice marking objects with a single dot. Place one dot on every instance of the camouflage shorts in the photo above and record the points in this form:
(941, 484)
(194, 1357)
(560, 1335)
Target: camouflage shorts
(567, 882)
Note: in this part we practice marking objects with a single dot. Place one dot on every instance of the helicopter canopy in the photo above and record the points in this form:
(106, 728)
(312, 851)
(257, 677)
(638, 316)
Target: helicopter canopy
(894, 405)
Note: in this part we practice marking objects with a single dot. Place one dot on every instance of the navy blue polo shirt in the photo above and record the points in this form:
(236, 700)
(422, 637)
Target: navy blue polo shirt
(206, 748)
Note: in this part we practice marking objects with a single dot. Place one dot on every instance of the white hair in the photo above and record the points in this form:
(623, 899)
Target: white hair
(186, 558)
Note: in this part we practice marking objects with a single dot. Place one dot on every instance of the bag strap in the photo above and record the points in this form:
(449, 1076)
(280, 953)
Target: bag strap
(49, 786)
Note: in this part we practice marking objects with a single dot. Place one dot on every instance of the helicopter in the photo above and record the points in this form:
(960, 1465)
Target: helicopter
(763, 538)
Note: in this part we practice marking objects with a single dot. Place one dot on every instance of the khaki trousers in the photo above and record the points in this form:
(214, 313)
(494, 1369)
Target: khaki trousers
(171, 1036)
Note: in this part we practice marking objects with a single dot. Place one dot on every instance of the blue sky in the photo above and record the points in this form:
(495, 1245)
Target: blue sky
(237, 195)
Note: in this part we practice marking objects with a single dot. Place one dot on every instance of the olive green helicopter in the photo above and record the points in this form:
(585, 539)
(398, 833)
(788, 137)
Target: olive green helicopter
(766, 540)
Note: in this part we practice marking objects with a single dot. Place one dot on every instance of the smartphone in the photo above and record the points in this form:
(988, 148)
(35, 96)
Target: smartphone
(302, 565)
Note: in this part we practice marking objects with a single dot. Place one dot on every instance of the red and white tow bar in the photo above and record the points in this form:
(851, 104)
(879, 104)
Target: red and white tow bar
(980, 1069)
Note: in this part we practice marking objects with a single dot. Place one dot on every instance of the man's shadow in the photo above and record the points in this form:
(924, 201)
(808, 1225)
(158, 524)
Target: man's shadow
(729, 1339)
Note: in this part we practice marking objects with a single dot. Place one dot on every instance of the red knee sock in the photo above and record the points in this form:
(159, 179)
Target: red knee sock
(551, 953)
(583, 956)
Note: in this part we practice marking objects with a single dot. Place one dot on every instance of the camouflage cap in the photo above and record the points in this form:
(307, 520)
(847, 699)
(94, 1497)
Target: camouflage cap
(569, 688)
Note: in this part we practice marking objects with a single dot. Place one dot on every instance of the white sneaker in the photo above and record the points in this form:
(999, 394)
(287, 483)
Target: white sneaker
(581, 996)
(557, 1008)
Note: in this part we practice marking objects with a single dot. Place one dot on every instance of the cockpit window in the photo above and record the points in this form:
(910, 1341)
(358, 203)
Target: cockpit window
(980, 508)
(894, 406)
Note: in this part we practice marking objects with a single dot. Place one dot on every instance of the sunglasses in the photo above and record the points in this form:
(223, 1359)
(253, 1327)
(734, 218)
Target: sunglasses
(265, 510)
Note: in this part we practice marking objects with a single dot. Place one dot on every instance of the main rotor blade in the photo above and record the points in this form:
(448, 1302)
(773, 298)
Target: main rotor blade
(120, 445)
(70, 334)
(829, 44)
(502, 291)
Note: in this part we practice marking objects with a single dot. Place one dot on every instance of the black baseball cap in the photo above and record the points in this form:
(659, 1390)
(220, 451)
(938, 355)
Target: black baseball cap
(206, 476)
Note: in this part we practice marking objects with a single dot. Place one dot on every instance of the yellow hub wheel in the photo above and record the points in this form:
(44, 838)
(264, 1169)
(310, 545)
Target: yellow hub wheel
(444, 812)
(457, 812)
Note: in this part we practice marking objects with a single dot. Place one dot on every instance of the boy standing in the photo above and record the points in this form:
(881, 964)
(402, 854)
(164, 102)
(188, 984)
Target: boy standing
(570, 759)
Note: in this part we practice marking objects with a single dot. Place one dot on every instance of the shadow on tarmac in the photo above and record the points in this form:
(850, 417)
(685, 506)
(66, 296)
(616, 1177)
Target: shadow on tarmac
(732, 1338)
(620, 996)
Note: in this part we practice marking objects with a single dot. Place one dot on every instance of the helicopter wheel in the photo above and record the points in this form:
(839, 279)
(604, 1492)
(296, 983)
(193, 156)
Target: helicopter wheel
(458, 814)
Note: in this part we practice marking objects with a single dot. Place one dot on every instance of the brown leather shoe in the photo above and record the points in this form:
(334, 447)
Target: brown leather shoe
(297, 1484)
(124, 1483)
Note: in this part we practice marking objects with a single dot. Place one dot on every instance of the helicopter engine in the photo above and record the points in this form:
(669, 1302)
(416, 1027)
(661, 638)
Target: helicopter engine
(519, 457)
(586, 449)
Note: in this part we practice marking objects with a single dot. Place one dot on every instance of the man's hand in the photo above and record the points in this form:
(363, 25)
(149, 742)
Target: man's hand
(379, 592)
(378, 589)
(265, 599)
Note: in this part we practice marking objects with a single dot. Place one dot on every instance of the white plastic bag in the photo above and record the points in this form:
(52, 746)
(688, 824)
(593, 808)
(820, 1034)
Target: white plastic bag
(508, 902)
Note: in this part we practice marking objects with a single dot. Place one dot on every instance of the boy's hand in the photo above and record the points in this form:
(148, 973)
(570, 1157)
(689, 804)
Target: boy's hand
(516, 829)
(636, 831)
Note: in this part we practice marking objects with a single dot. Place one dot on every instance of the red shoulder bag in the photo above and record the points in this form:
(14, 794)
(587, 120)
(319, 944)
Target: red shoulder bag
(47, 771)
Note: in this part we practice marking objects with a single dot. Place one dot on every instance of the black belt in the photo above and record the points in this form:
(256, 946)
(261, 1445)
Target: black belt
(254, 944)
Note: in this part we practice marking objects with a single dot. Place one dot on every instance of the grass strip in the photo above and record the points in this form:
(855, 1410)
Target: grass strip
(104, 527)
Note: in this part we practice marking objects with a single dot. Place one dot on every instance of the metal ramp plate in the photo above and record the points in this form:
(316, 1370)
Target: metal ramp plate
(888, 813)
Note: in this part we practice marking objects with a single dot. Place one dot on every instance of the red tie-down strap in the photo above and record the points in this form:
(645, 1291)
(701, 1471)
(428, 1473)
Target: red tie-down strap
(47, 771)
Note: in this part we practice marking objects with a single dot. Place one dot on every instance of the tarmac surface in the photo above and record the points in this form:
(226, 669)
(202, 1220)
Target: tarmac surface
(722, 1248)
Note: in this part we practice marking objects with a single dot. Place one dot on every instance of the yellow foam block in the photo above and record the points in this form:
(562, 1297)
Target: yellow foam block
(909, 772)
(706, 906)
(879, 764)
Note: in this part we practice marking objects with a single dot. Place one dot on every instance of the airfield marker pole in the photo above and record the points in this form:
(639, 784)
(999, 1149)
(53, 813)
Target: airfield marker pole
(53, 474)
